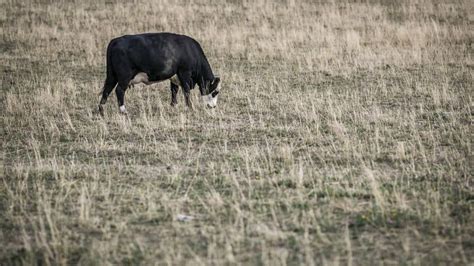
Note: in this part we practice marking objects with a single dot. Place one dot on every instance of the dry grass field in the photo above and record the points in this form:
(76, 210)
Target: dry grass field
(342, 136)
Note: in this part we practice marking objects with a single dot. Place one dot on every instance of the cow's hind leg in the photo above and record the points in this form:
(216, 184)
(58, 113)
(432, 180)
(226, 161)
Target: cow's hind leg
(120, 91)
(187, 84)
(174, 93)
(109, 85)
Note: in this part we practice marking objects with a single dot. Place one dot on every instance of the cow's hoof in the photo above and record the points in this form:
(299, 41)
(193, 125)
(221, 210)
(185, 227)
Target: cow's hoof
(173, 104)
(101, 110)
(123, 110)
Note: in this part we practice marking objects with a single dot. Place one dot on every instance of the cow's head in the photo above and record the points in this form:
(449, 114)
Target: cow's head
(210, 91)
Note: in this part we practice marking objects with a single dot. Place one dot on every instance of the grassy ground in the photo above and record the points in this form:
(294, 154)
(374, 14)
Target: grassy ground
(342, 136)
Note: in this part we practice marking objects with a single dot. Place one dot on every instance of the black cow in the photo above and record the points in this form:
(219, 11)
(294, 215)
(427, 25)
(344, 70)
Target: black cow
(153, 57)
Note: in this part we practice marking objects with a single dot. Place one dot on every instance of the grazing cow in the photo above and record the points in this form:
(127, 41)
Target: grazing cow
(153, 57)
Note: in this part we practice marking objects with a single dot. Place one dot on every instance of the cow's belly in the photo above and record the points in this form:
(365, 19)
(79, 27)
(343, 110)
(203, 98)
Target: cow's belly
(175, 80)
(142, 77)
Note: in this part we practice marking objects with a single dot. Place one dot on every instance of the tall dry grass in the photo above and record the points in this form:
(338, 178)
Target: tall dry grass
(343, 136)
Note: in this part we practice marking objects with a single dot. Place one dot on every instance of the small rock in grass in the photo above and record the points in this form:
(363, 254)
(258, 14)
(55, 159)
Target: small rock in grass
(184, 218)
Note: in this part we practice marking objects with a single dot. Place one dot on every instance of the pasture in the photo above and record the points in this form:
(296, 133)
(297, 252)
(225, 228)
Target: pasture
(342, 136)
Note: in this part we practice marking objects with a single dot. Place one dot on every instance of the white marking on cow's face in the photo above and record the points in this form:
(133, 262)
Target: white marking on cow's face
(210, 101)
(175, 80)
(122, 109)
(139, 78)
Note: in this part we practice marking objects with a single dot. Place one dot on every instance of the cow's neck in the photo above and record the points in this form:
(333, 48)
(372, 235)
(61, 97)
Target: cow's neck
(206, 71)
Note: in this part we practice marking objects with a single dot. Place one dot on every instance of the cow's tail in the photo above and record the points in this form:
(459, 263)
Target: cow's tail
(110, 80)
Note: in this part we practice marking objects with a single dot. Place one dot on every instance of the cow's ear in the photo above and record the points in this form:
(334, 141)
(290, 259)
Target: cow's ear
(215, 82)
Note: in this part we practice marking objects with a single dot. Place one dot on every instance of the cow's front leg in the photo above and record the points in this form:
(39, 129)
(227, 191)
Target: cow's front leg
(187, 84)
(187, 97)
(120, 91)
(174, 93)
